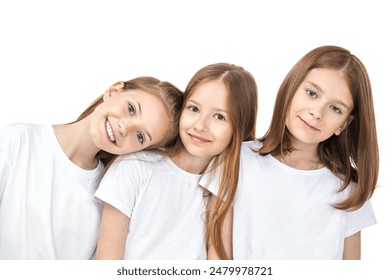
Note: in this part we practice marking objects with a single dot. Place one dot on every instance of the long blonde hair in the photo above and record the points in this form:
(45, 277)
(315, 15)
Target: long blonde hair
(242, 109)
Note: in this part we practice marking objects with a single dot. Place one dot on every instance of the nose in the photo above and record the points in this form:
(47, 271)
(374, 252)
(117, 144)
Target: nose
(125, 125)
(201, 123)
(315, 112)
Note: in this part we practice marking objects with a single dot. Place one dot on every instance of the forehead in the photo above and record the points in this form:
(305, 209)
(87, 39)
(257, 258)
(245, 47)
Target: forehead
(139, 93)
(145, 98)
(213, 90)
(150, 104)
(326, 74)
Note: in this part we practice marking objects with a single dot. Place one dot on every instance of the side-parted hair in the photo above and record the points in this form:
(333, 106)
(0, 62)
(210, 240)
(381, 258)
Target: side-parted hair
(351, 156)
(242, 112)
(169, 94)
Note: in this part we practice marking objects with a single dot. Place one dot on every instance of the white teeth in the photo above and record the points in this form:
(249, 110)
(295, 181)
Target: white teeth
(109, 131)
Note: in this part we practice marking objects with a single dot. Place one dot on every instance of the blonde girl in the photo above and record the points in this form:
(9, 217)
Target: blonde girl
(49, 173)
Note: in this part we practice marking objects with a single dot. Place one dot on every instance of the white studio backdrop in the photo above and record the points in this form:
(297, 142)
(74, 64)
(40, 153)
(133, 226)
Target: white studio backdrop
(56, 57)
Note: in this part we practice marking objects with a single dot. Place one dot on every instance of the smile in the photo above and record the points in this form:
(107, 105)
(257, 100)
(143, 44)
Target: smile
(308, 125)
(198, 139)
(109, 131)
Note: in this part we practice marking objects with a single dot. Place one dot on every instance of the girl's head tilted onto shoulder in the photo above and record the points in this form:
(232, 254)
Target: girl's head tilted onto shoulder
(138, 114)
(326, 100)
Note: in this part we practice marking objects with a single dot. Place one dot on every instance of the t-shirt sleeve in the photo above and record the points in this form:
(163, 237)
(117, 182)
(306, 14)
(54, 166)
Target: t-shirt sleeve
(120, 186)
(4, 164)
(210, 181)
(360, 219)
(9, 140)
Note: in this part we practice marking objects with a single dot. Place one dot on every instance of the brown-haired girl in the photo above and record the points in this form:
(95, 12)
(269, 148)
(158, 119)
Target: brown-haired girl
(305, 186)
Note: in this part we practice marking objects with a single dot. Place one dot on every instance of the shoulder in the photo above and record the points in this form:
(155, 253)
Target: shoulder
(142, 156)
(337, 182)
(135, 163)
(18, 132)
(20, 129)
(250, 148)
(253, 144)
(15, 129)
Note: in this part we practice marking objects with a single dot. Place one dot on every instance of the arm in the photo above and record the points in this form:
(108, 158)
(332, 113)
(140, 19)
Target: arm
(352, 247)
(227, 229)
(113, 233)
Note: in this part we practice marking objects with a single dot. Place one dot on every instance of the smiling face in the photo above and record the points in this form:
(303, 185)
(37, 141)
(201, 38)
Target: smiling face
(129, 121)
(320, 108)
(205, 127)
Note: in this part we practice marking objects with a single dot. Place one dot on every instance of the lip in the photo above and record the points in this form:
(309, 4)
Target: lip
(306, 124)
(109, 131)
(198, 139)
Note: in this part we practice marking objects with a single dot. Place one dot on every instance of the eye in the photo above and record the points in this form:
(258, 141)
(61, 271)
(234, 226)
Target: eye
(140, 137)
(131, 109)
(193, 108)
(335, 109)
(311, 93)
(219, 117)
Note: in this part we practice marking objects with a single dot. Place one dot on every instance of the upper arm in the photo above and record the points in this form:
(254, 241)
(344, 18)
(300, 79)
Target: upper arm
(113, 233)
(352, 247)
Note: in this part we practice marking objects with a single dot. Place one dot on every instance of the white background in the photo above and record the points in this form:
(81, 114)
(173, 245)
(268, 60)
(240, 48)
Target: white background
(56, 57)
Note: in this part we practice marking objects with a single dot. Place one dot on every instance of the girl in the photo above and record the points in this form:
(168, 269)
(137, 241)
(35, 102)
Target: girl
(48, 174)
(154, 207)
(304, 187)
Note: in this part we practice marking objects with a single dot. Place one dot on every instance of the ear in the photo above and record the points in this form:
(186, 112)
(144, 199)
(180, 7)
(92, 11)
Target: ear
(114, 89)
(344, 126)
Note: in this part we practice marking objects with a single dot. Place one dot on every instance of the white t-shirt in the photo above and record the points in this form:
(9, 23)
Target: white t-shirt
(165, 204)
(285, 213)
(47, 208)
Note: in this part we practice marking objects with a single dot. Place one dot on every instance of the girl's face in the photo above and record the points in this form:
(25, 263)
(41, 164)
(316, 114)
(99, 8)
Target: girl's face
(320, 108)
(129, 121)
(205, 127)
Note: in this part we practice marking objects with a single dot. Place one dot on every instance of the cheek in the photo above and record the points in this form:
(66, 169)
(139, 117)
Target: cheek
(226, 136)
(183, 122)
(287, 122)
(96, 125)
(129, 146)
(97, 113)
(164, 135)
(335, 120)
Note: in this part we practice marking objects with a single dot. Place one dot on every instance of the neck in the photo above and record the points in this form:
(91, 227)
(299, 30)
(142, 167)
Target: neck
(75, 140)
(305, 160)
(190, 163)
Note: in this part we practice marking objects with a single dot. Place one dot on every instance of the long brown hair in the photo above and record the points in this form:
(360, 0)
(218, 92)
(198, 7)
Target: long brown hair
(169, 94)
(351, 156)
(242, 109)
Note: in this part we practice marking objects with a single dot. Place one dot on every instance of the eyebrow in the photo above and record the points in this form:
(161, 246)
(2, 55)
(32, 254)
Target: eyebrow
(140, 112)
(338, 101)
(150, 136)
(217, 109)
